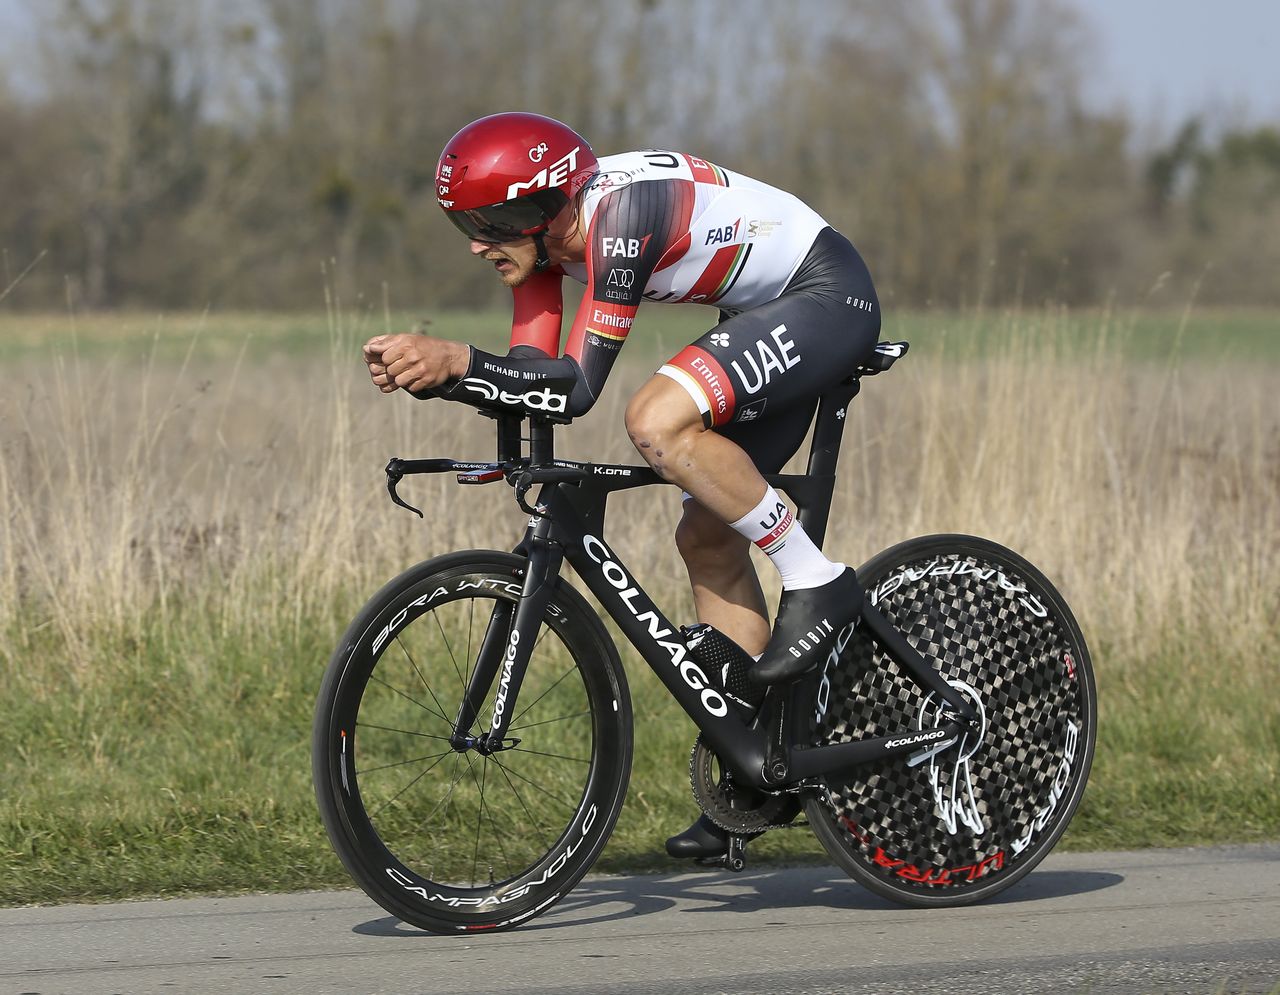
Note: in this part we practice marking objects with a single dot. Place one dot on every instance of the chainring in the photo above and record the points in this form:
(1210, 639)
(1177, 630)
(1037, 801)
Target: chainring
(735, 808)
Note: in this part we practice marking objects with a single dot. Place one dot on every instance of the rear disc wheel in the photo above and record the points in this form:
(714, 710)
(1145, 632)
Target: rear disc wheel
(961, 823)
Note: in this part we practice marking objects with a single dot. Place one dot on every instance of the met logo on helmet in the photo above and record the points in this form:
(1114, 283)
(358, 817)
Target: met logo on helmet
(555, 175)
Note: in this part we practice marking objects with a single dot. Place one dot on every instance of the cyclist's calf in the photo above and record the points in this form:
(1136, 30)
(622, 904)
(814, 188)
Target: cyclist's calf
(726, 590)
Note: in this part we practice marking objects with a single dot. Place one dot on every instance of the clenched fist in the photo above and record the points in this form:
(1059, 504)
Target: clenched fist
(414, 362)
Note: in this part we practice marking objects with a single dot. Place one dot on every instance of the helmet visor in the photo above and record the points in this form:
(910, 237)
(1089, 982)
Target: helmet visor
(507, 222)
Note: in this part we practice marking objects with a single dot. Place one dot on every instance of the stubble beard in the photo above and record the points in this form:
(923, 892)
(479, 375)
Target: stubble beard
(513, 279)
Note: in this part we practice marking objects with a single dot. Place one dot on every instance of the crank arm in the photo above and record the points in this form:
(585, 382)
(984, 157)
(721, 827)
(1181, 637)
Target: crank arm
(734, 859)
(916, 759)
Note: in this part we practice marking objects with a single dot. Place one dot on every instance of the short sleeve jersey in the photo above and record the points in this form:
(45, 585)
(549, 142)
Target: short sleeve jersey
(670, 228)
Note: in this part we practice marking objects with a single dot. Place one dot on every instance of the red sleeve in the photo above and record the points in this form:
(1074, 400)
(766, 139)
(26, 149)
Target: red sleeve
(538, 307)
(632, 229)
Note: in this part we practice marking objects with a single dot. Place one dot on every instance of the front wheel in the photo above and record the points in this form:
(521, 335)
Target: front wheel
(958, 824)
(437, 828)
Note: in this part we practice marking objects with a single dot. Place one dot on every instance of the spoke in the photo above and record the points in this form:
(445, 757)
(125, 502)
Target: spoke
(563, 718)
(533, 819)
(407, 787)
(546, 791)
(497, 830)
(475, 856)
(447, 795)
(403, 732)
(408, 697)
(414, 665)
(456, 669)
(471, 614)
(558, 756)
(402, 763)
(525, 710)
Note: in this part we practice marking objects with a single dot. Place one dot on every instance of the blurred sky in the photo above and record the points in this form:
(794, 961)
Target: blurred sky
(1168, 59)
(1163, 60)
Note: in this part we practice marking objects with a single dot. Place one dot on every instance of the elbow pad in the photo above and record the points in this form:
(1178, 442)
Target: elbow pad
(526, 381)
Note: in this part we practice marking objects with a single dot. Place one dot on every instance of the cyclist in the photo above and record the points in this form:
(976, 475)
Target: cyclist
(797, 314)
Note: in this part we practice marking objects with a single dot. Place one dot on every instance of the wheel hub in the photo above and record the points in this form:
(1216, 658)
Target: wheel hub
(949, 775)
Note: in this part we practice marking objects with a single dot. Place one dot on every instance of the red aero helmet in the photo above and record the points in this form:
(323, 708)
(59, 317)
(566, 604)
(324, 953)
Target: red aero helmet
(504, 177)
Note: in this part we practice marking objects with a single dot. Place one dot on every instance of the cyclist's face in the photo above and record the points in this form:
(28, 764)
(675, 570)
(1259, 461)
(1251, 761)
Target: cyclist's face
(513, 261)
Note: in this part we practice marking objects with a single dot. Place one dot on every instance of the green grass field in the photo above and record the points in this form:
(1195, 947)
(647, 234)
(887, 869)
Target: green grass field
(192, 509)
(661, 331)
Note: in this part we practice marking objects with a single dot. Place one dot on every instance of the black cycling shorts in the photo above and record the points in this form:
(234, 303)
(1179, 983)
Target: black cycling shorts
(756, 377)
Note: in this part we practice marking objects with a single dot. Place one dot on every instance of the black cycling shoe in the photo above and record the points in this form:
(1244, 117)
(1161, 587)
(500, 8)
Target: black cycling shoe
(809, 623)
(703, 839)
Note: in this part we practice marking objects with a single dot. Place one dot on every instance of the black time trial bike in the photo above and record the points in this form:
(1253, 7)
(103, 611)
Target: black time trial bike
(473, 734)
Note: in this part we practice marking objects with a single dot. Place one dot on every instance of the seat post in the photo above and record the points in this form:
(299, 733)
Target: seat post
(824, 453)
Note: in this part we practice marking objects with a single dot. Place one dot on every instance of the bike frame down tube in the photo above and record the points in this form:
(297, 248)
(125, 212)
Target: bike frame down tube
(656, 639)
(574, 522)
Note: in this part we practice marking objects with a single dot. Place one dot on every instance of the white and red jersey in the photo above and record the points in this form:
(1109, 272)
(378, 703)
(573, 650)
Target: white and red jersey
(671, 228)
(725, 239)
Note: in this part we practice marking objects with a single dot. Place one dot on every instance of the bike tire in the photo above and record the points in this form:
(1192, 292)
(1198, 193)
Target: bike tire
(451, 840)
(978, 816)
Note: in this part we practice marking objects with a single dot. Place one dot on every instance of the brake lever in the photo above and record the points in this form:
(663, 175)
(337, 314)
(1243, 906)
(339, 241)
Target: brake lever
(395, 473)
(538, 512)
(544, 475)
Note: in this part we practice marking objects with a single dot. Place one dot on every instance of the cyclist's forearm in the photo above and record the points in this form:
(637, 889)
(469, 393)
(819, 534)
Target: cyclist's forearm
(525, 378)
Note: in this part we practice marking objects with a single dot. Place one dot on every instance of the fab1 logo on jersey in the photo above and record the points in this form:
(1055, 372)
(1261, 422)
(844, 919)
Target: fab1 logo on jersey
(724, 235)
(765, 360)
(627, 248)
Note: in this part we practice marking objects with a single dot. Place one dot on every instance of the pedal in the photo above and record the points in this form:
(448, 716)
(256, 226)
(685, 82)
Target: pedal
(734, 859)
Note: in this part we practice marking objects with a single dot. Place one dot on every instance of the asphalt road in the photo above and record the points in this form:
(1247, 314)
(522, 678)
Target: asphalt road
(1203, 920)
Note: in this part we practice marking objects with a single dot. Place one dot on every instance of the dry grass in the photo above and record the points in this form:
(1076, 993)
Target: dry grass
(1146, 491)
(180, 542)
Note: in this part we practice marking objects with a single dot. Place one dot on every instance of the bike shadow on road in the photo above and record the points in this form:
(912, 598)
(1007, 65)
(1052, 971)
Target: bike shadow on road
(607, 899)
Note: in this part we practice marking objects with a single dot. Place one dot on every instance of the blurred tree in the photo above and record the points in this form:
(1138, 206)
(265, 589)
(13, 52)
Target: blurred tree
(261, 152)
(948, 140)
(1217, 208)
(122, 76)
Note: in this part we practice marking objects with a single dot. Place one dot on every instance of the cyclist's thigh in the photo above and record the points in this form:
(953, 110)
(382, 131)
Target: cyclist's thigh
(783, 354)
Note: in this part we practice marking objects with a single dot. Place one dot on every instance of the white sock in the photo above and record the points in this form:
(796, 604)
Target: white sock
(772, 527)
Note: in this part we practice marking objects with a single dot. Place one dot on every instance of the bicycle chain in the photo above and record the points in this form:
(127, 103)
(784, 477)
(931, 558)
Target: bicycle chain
(738, 810)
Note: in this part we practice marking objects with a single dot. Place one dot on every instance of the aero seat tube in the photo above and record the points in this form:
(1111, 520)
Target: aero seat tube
(824, 452)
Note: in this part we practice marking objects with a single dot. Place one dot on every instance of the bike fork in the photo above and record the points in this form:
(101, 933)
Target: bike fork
(506, 648)
(488, 660)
